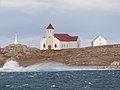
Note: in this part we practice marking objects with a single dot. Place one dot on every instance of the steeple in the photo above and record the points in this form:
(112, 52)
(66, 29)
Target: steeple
(50, 30)
(16, 39)
(50, 26)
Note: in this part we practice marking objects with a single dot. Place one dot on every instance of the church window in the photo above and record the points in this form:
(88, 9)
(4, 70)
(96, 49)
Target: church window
(44, 45)
(55, 45)
(62, 45)
(67, 45)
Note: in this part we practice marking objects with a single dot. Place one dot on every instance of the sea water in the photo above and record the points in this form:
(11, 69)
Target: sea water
(56, 76)
(62, 80)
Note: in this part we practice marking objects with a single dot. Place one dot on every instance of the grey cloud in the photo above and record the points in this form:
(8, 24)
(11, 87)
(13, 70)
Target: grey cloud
(35, 5)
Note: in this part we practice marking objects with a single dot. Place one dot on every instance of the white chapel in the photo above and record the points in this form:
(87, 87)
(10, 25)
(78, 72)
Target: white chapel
(99, 41)
(53, 41)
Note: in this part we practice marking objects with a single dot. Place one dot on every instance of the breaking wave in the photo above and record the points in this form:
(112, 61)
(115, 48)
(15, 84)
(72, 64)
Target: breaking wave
(13, 66)
(48, 66)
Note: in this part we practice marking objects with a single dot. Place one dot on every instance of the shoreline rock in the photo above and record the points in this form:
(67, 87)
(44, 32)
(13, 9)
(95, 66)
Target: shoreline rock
(107, 55)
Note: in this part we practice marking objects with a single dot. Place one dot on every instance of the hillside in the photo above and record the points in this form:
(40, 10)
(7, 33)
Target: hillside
(89, 56)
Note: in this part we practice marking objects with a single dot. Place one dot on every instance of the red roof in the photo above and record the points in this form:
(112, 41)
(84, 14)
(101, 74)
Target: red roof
(66, 37)
(50, 26)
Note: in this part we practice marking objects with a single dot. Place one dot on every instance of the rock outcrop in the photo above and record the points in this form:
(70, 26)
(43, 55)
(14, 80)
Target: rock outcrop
(90, 56)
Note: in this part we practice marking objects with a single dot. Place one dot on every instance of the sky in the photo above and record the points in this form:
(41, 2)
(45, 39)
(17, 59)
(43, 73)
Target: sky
(84, 18)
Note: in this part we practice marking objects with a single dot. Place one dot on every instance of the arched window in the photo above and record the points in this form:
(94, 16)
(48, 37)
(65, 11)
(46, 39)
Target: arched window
(55, 45)
(43, 45)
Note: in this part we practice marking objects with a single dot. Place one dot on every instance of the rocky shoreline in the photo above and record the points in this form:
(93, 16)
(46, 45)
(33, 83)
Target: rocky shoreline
(108, 56)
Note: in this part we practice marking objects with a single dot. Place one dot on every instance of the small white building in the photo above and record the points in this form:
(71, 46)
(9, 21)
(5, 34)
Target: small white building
(99, 41)
(54, 41)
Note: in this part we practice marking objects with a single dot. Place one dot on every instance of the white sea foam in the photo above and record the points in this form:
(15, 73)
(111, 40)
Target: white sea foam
(48, 66)
(13, 66)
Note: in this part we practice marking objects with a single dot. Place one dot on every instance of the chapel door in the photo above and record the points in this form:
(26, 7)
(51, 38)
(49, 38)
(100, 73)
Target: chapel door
(49, 47)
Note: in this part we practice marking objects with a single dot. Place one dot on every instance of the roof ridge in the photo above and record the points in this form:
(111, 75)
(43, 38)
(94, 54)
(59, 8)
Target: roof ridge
(65, 37)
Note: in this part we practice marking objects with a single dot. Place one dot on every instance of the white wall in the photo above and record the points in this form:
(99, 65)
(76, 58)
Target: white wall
(67, 45)
(78, 42)
(49, 37)
(99, 41)
(42, 42)
(59, 44)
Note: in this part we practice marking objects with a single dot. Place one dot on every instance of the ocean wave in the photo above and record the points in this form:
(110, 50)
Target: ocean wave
(13, 66)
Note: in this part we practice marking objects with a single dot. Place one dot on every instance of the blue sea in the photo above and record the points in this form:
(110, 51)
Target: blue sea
(62, 80)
